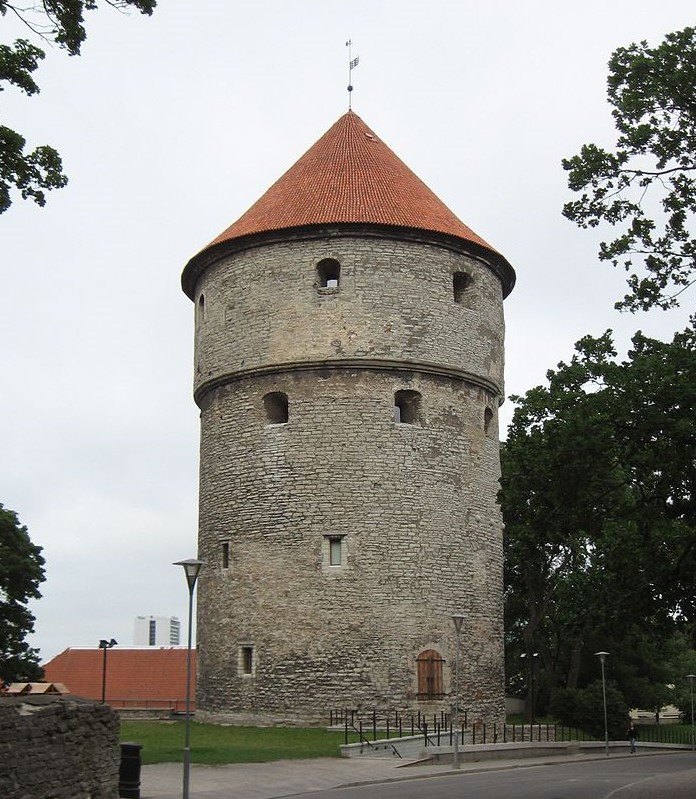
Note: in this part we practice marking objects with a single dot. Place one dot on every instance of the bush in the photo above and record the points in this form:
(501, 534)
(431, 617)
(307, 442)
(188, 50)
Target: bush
(584, 708)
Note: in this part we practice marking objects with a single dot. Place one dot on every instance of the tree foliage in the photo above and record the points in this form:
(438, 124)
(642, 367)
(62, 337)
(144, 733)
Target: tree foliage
(61, 22)
(584, 708)
(646, 187)
(598, 494)
(21, 573)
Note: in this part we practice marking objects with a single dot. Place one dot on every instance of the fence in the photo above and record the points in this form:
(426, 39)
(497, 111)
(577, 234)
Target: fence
(173, 705)
(437, 730)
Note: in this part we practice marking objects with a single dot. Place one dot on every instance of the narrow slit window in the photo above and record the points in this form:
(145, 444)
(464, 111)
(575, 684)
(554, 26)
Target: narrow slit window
(276, 406)
(407, 407)
(487, 419)
(329, 273)
(335, 558)
(246, 659)
(334, 550)
(461, 282)
(226, 555)
(201, 307)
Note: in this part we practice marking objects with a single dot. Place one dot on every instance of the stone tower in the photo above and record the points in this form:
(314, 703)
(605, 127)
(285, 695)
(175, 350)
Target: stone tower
(348, 369)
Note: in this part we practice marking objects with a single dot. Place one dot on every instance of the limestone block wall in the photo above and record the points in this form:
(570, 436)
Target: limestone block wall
(58, 747)
(262, 307)
(338, 539)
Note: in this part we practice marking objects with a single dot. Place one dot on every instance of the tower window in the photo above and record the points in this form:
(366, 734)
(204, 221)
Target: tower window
(246, 660)
(328, 273)
(226, 555)
(334, 550)
(487, 419)
(461, 282)
(429, 664)
(276, 406)
(201, 307)
(407, 407)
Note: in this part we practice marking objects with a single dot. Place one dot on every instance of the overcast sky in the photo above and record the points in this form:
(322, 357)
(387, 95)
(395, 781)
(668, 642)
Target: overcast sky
(170, 127)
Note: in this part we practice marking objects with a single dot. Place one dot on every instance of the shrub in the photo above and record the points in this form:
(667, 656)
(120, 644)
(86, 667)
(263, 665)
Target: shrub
(584, 708)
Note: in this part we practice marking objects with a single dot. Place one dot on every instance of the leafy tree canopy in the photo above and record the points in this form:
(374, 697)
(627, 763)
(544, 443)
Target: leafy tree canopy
(60, 22)
(21, 573)
(598, 493)
(646, 187)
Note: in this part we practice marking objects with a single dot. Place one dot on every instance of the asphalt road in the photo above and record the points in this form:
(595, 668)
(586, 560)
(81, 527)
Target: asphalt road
(664, 776)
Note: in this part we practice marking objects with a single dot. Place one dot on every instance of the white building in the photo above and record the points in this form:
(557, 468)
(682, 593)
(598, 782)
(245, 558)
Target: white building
(157, 631)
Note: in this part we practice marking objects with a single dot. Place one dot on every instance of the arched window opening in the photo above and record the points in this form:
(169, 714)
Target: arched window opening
(487, 419)
(429, 664)
(407, 407)
(276, 406)
(461, 282)
(329, 273)
(201, 307)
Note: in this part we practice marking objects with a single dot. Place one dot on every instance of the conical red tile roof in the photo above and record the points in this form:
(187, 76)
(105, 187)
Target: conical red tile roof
(349, 176)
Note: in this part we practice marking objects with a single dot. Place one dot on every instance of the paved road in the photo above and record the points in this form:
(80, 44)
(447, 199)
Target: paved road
(648, 776)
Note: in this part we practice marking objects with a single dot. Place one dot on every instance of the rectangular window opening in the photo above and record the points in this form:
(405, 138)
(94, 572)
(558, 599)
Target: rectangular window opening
(226, 555)
(246, 658)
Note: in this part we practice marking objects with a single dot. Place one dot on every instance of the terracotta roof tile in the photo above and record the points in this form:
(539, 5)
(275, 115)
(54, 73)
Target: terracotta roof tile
(349, 176)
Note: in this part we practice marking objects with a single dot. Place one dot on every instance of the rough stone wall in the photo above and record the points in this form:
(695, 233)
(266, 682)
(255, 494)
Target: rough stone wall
(414, 504)
(262, 308)
(58, 748)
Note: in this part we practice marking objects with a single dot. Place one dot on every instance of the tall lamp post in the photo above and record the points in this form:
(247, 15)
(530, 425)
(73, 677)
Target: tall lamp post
(691, 682)
(191, 569)
(104, 645)
(457, 619)
(602, 657)
(531, 681)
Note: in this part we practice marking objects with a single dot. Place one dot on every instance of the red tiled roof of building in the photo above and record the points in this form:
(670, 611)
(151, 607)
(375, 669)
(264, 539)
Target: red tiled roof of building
(134, 677)
(349, 176)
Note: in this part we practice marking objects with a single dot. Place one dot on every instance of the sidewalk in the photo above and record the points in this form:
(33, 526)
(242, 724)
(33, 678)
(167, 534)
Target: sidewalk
(287, 777)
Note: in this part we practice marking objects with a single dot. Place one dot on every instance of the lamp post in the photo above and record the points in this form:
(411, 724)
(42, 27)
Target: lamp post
(691, 682)
(104, 645)
(531, 681)
(191, 569)
(602, 657)
(457, 619)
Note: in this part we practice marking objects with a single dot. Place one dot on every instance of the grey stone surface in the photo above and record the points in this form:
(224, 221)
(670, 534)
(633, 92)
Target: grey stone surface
(414, 505)
(58, 747)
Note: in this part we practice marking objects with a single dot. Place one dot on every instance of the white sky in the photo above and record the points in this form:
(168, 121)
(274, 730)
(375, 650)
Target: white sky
(170, 127)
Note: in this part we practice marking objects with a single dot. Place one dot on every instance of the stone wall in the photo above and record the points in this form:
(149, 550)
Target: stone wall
(58, 748)
(285, 635)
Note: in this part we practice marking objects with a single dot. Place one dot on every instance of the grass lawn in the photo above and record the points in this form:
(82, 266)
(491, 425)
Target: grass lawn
(212, 744)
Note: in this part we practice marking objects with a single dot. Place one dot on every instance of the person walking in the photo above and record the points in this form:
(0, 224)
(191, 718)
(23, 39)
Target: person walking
(632, 734)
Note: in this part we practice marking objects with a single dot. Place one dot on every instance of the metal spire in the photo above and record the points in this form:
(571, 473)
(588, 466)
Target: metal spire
(352, 63)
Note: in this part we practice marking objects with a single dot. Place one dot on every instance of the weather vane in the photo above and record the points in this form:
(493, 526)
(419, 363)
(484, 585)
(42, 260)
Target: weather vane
(352, 63)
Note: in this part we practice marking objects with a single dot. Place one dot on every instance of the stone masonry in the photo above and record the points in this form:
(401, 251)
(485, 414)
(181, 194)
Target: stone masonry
(58, 748)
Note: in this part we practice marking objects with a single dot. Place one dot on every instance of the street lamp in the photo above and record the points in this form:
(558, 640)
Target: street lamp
(532, 675)
(191, 569)
(602, 657)
(104, 645)
(458, 619)
(691, 681)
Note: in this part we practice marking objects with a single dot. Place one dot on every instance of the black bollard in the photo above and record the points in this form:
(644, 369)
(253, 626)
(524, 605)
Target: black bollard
(129, 772)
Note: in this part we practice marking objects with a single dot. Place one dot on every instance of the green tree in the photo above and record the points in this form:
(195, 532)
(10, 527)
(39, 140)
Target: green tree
(597, 492)
(645, 186)
(21, 573)
(61, 22)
